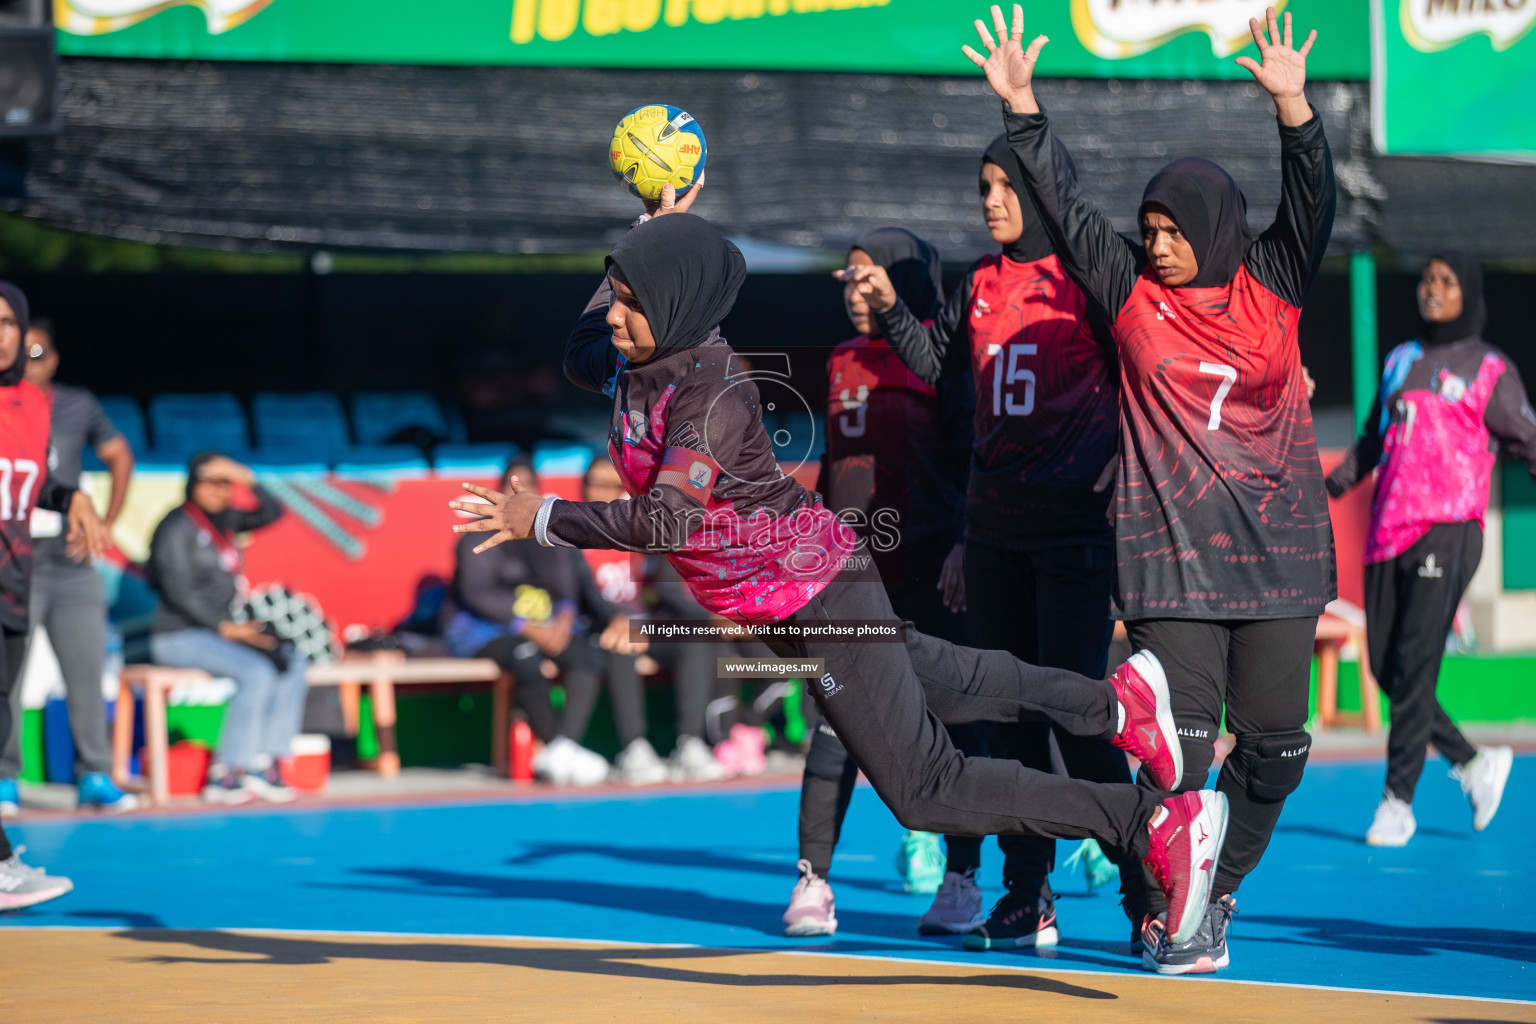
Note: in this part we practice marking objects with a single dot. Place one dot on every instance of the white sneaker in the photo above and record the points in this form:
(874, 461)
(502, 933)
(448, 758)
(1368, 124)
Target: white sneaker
(1394, 824)
(639, 765)
(956, 907)
(564, 762)
(693, 761)
(1482, 780)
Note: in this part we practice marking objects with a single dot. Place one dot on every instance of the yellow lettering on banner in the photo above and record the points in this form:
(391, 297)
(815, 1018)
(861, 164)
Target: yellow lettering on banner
(708, 11)
(523, 12)
(778, 7)
(746, 9)
(677, 12)
(601, 17)
(640, 15)
(809, 6)
(557, 18)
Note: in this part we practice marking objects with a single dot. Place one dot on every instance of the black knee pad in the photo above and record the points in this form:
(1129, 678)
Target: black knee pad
(1197, 737)
(827, 756)
(1270, 765)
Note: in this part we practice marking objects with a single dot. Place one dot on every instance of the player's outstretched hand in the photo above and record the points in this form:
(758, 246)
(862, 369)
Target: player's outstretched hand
(873, 283)
(1283, 71)
(669, 203)
(1009, 66)
(506, 516)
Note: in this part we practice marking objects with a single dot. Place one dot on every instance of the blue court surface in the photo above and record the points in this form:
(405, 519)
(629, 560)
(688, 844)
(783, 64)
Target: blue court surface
(1453, 914)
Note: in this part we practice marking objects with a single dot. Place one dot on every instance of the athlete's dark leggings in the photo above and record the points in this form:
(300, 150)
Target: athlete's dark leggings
(1410, 605)
(578, 665)
(13, 652)
(830, 773)
(1260, 672)
(888, 703)
(1048, 606)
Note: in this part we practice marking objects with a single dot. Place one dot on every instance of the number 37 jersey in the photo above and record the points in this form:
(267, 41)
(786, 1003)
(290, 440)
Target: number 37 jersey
(24, 424)
(1221, 511)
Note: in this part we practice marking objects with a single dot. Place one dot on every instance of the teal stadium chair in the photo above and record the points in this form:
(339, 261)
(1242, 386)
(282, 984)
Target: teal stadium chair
(378, 416)
(561, 459)
(383, 463)
(474, 461)
(303, 428)
(128, 418)
(184, 425)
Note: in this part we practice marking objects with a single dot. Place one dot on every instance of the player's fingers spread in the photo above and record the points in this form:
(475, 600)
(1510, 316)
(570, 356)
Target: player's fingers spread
(477, 526)
(1274, 26)
(1250, 64)
(500, 538)
(518, 487)
(999, 23)
(1035, 46)
(1258, 34)
(1306, 47)
(976, 58)
(1018, 22)
(986, 37)
(484, 492)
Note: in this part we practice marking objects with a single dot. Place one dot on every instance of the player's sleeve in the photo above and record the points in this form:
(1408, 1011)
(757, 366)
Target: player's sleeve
(675, 508)
(928, 349)
(1095, 256)
(1286, 258)
(590, 357)
(54, 495)
(1363, 455)
(268, 510)
(99, 428)
(1509, 417)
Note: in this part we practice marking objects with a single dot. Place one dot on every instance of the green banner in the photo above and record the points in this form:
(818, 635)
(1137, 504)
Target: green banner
(1089, 38)
(1454, 77)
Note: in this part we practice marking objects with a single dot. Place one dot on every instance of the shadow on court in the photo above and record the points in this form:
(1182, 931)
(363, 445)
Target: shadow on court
(259, 950)
(692, 860)
(1369, 937)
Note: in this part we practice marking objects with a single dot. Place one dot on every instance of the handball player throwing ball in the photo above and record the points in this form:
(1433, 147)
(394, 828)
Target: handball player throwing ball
(756, 547)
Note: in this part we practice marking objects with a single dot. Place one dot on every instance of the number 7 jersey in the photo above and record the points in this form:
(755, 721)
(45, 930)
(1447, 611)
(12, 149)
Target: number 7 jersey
(25, 417)
(1221, 511)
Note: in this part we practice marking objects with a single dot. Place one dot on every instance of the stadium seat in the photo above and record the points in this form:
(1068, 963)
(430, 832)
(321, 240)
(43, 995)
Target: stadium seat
(473, 460)
(288, 462)
(186, 424)
(310, 424)
(378, 416)
(383, 461)
(562, 459)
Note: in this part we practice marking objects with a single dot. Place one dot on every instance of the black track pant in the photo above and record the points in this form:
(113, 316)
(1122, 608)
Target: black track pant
(1410, 605)
(830, 773)
(1048, 607)
(1260, 671)
(578, 665)
(13, 651)
(888, 703)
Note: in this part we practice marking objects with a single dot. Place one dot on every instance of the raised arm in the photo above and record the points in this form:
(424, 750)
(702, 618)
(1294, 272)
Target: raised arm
(1101, 262)
(927, 349)
(590, 358)
(1286, 258)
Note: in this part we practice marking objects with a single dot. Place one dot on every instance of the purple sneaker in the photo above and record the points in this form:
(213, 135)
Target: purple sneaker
(956, 907)
(811, 910)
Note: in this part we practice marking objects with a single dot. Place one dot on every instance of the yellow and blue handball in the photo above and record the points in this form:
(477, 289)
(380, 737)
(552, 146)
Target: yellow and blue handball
(654, 145)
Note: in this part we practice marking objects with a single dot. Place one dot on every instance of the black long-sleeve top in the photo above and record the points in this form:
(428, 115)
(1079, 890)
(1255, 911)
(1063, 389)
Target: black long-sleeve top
(188, 572)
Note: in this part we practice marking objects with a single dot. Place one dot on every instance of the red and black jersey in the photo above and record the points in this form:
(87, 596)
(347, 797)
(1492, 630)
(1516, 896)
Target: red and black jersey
(25, 416)
(1046, 399)
(897, 452)
(1221, 511)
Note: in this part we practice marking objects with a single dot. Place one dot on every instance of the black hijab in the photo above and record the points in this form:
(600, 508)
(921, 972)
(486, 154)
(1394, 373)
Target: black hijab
(1210, 210)
(1474, 311)
(911, 264)
(11, 375)
(1034, 243)
(686, 275)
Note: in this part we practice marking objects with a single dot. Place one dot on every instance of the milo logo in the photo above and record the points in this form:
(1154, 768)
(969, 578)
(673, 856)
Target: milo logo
(1117, 29)
(556, 20)
(98, 17)
(1431, 25)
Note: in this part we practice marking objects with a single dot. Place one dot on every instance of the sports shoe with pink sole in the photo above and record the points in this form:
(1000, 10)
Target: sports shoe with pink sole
(811, 908)
(1187, 832)
(1149, 734)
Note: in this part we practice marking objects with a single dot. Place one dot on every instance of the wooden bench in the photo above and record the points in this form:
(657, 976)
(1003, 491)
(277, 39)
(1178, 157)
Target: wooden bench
(1334, 630)
(380, 671)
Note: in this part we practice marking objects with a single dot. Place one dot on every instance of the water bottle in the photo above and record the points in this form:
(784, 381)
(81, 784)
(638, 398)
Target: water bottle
(520, 756)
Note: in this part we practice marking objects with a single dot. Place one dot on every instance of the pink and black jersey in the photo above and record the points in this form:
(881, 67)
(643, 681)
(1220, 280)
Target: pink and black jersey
(1221, 511)
(1431, 438)
(1046, 398)
(25, 419)
(688, 441)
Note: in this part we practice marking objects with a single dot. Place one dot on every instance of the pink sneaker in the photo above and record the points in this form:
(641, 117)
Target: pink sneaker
(752, 745)
(1149, 734)
(1187, 832)
(811, 910)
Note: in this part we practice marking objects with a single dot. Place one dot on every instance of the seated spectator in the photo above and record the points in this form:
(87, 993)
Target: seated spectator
(517, 605)
(606, 605)
(194, 566)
